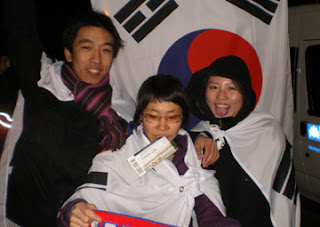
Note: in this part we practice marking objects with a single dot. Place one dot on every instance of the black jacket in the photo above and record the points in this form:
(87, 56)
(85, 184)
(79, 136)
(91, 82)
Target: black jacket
(59, 139)
(242, 198)
(51, 159)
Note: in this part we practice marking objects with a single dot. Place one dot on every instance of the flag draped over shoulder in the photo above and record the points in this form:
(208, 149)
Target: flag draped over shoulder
(180, 37)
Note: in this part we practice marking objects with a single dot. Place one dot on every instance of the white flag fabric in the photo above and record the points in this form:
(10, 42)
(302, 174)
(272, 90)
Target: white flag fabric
(179, 37)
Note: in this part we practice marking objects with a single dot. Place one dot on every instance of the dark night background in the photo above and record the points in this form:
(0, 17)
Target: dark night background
(52, 16)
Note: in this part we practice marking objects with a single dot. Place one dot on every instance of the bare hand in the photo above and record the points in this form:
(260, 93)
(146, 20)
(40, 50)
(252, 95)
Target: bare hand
(82, 215)
(211, 153)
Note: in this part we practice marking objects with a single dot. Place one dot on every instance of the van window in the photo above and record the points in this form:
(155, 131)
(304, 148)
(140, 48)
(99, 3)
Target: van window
(313, 79)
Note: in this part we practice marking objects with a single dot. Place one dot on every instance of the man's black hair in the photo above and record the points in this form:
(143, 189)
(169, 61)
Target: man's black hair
(91, 18)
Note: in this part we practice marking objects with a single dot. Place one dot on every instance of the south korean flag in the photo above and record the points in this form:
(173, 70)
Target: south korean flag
(180, 37)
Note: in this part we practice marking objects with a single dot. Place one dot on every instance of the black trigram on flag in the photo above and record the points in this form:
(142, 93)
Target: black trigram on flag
(285, 181)
(133, 20)
(262, 9)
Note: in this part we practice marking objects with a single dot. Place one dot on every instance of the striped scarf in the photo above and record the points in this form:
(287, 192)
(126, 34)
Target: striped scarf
(96, 99)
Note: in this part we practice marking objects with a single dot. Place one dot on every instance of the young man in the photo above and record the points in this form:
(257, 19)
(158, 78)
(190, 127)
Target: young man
(67, 115)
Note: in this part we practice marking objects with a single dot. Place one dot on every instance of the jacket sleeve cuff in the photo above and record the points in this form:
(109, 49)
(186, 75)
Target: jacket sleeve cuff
(63, 219)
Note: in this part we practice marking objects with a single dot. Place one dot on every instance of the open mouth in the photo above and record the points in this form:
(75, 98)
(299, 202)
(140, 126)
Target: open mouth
(222, 109)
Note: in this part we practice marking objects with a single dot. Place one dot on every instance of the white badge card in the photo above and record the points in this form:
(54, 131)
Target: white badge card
(151, 155)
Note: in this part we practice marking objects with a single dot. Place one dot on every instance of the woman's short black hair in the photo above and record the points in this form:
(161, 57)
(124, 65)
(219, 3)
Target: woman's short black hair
(91, 18)
(162, 88)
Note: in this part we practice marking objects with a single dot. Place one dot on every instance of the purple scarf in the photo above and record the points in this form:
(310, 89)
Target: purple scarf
(96, 99)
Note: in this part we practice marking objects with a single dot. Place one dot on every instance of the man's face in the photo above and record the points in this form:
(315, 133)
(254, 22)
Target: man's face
(92, 54)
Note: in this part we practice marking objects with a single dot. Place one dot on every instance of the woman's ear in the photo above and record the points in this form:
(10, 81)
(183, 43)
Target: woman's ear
(67, 55)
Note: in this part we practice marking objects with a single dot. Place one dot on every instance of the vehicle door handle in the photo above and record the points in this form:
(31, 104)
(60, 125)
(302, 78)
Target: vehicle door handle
(303, 128)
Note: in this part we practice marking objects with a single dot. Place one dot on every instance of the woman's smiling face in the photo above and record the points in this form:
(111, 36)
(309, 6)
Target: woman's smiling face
(223, 97)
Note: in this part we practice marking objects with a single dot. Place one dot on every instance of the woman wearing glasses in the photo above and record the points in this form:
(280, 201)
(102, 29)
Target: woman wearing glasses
(166, 193)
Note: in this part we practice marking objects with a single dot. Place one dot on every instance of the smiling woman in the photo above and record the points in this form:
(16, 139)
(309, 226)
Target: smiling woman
(223, 97)
(249, 143)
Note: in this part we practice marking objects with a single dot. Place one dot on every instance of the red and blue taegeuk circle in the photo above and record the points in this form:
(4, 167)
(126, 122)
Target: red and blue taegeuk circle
(199, 49)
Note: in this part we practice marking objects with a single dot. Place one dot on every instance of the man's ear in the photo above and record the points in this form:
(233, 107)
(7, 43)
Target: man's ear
(67, 55)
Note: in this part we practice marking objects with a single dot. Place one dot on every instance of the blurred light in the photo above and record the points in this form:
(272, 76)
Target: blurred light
(312, 148)
(8, 118)
(106, 13)
(313, 132)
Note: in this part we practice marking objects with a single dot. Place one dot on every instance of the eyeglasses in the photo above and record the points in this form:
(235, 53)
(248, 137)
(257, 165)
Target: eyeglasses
(156, 119)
